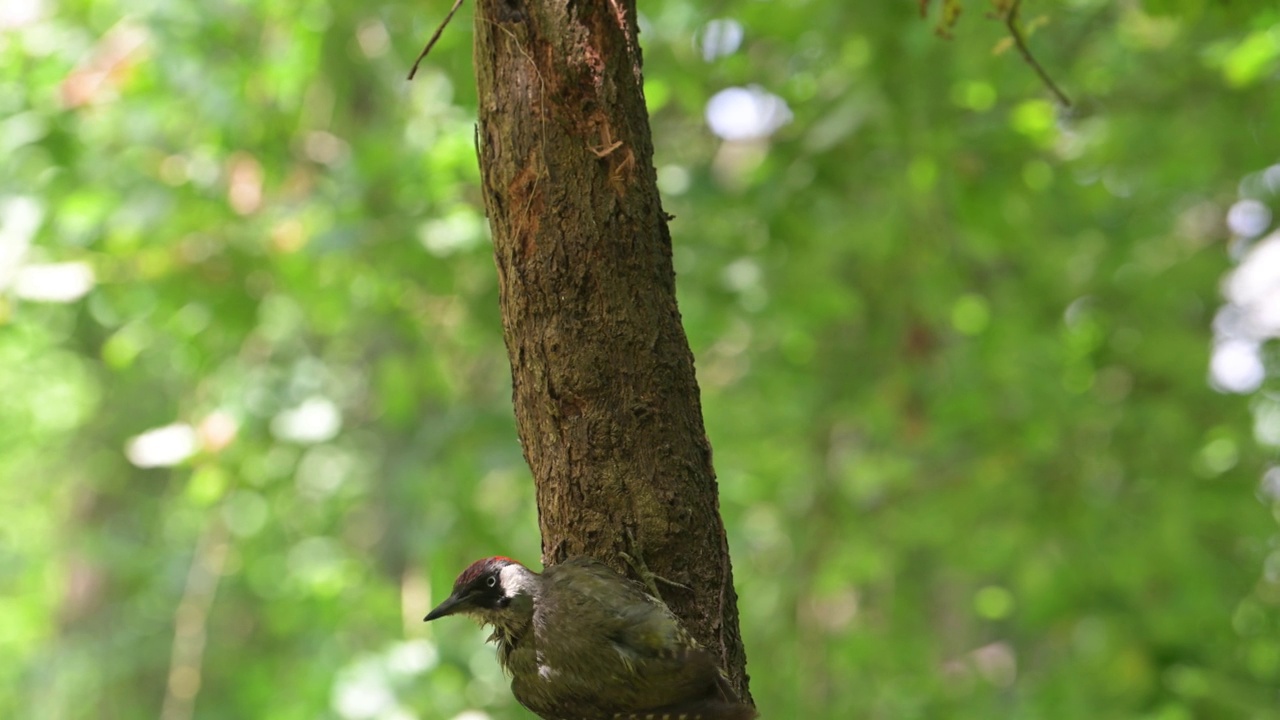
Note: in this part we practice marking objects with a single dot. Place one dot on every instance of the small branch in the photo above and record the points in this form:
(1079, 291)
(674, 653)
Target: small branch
(434, 37)
(1011, 22)
(190, 623)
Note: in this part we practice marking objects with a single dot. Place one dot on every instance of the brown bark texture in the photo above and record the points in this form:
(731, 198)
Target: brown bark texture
(606, 401)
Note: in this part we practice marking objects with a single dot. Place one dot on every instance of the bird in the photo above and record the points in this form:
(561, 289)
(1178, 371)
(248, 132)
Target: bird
(583, 642)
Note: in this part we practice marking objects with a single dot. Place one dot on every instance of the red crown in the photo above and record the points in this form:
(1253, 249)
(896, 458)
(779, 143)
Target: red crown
(480, 567)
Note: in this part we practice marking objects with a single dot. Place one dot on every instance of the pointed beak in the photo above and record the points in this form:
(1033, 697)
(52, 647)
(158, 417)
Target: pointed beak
(451, 605)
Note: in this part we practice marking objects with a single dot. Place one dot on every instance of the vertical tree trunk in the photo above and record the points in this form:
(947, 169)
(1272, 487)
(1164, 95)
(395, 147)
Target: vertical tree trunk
(605, 396)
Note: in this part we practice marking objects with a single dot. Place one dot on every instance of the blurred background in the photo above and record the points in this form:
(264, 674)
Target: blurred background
(990, 385)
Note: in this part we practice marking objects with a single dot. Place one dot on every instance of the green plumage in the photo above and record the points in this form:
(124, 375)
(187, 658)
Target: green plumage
(602, 645)
(582, 642)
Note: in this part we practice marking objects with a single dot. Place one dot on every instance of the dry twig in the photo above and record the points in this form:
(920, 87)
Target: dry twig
(1011, 22)
(434, 37)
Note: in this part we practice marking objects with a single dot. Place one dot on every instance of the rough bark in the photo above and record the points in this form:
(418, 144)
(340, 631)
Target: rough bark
(605, 396)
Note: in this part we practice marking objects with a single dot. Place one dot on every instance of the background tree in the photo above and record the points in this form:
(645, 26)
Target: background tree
(953, 348)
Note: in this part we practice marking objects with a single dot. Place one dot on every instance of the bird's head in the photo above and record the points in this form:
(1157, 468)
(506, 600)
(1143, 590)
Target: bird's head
(486, 591)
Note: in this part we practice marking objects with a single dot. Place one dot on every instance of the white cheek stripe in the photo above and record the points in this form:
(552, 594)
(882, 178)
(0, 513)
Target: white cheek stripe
(516, 580)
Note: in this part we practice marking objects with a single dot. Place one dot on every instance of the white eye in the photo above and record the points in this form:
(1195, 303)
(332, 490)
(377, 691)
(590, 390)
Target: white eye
(491, 581)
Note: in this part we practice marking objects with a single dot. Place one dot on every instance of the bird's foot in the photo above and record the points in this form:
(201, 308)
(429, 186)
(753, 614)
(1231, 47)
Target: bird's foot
(635, 559)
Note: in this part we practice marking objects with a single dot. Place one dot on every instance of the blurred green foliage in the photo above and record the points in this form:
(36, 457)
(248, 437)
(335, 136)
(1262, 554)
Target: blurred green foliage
(953, 346)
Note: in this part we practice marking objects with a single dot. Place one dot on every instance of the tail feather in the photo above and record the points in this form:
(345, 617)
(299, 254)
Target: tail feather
(727, 693)
(701, 710)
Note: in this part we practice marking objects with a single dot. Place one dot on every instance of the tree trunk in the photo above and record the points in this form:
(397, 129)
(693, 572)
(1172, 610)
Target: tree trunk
(605, 396)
